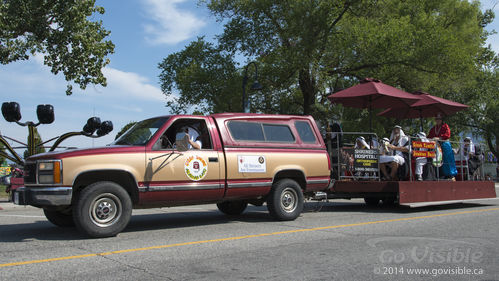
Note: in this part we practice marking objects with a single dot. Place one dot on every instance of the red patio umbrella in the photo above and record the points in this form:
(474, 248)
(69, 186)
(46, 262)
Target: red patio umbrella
(373, 93)
(427, 106)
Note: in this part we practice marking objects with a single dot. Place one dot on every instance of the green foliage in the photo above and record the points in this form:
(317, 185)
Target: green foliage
(206, 77)
(482, 95)
(307, 50)
(37, 141)
(124, 129)
(62, 30)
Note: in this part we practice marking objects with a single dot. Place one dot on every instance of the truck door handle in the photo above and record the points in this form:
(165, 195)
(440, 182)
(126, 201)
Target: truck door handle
(213, 159)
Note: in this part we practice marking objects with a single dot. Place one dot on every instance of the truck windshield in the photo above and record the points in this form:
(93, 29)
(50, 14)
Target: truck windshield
(141, 132)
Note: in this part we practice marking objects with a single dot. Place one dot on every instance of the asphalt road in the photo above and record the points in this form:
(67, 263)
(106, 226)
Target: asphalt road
(345, 240)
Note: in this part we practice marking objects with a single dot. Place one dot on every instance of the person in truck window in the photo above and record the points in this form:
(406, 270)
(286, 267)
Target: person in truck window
(441, 133)
(191, 136)
(397, 146)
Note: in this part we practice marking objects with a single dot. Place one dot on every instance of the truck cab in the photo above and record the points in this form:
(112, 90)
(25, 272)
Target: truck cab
(229, 159)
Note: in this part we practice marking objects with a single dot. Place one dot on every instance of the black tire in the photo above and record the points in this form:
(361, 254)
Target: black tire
(59, 218)
(103, 209)
(232, 208)
(389, 201)
(371, 201)
(285, 201)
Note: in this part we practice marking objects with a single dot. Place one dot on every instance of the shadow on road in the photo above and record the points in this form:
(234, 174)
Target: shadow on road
(44, 230)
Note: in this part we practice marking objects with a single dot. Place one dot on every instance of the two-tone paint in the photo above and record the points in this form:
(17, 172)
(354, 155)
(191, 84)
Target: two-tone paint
(157, 178)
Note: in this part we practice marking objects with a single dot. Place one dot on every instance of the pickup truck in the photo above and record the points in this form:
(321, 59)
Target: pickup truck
(229, 159)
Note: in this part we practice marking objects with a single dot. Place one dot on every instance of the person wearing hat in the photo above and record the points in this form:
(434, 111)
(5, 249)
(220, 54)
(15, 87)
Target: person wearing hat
(397, 146)
(467, 149)
(360, 143)
(420, 161)
(441, 133)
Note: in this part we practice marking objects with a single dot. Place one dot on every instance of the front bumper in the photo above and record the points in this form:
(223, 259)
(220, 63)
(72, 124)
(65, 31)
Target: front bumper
(43, 196)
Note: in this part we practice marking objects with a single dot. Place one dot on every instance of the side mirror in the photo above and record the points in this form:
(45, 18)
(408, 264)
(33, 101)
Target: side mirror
(105, 128)
(11, 111)
(93, 123)
(45, 113)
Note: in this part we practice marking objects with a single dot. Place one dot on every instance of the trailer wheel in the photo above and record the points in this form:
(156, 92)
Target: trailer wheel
(232, 208)
(103, 209)
(389, 201)
(371, 201)
(59, 218)
(286, 200)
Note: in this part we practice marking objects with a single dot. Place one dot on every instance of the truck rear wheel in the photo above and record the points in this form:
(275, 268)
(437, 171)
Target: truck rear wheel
(286, 200)
(371, 201)
(103, 209)
(232, 208)
(59, 218)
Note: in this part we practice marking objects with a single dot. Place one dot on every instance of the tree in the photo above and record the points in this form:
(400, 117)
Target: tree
(483, 96)
(124, 129)
(37, 140)
(206, 76)
(61, 30)
(308, 49)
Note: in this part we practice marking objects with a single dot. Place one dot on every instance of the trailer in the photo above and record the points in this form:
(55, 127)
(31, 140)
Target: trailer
(355, 177)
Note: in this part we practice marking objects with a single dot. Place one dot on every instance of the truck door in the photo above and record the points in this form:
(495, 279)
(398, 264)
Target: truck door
(177, 172)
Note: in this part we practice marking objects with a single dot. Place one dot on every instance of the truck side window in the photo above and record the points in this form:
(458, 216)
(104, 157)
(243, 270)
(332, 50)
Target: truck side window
(175, 132)
(305, 131)
(278, 133)
(248, 131)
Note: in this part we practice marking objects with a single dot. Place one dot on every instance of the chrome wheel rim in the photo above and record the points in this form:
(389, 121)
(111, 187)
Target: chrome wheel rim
(105, 210)
(289, 200)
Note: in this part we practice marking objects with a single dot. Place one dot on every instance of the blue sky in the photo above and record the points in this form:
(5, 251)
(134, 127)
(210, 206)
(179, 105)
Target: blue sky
(144, 32)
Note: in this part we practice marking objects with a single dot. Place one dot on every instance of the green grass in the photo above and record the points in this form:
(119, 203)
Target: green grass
(2, 191)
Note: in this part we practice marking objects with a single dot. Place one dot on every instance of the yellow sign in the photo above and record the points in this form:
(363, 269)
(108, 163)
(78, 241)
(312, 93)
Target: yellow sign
(4, 171)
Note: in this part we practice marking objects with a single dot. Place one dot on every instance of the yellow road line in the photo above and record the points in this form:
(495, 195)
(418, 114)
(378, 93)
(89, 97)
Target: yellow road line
(242, 237)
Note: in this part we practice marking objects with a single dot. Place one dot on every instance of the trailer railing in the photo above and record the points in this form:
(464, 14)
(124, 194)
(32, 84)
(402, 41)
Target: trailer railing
(351, 162)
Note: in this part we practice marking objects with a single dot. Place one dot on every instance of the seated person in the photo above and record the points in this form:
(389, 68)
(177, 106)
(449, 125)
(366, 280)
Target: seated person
(467, 148)
(192, 137)
(420, 161)
(360, 143)
(397, 145)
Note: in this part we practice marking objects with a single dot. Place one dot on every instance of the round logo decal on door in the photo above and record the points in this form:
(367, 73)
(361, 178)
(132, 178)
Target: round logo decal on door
(195, 167)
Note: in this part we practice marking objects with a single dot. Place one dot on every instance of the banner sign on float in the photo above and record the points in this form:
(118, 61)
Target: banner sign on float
(423, 149)
(365, 160)
(359, 160)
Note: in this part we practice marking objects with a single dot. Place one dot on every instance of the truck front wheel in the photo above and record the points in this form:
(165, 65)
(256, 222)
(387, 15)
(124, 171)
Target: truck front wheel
(59, 218)
(103, 209)
(232, 208)
(285, 201)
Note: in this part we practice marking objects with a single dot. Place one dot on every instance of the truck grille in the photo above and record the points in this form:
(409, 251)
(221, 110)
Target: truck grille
(30, 173)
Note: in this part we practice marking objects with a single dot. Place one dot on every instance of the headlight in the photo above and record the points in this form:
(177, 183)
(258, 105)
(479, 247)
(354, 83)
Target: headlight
(49, 172)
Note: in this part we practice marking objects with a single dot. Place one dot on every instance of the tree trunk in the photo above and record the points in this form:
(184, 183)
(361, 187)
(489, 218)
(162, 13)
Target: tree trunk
(493, 148)
(307, 87)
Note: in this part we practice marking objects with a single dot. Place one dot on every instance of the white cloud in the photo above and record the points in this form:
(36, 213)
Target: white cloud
(170, 25)
(130, 84)
(129, 96)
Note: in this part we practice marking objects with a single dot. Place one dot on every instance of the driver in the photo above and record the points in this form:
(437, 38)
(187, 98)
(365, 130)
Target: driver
(192, 137)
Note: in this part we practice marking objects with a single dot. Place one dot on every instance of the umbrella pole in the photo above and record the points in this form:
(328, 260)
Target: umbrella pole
(421, 119)
(370, 115)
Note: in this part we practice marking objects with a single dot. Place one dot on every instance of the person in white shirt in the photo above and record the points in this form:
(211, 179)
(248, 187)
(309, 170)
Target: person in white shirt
(191, 137)
(360, 143)
(397, 146)
(420, 161)
(467, 148)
